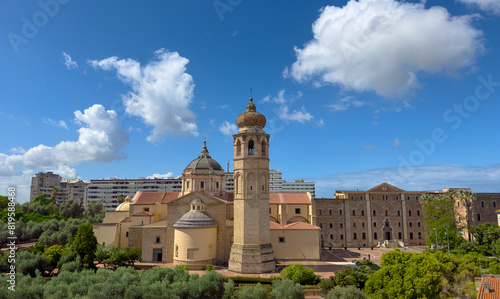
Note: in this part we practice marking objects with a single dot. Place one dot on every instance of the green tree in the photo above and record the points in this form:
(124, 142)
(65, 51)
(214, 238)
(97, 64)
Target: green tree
(85, 244)
(120, 198)
(4, 202)
(300, 274)
(54, 254)
(95, 212)
(286, 289)
(255, 292)
(71, 209)
(349, 292)
(441, 208)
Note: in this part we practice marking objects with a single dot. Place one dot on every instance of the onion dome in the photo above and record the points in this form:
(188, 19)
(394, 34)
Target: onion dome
(204, 162)
(251, 117)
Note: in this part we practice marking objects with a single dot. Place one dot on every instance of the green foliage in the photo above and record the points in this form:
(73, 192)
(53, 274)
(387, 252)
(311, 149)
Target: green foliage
(71, 209)
(182, 267)
(229, 290)
(54, 254)
(85, 244)
(300, 274)
(286, 289)
(349, 292)
(210, 267)
(4, 202)
(442, 208)
(116, 257)
(95, 212)
(28, 263)
(356, 277)
(255, 292)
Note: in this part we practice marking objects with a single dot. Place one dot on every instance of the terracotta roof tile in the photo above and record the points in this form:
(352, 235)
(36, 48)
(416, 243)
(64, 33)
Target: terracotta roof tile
(227, 197)
(274, 225)
(170, 196)
(301, 225)
(494, 288)
(143, 213)
(148, 198)
(288, 198)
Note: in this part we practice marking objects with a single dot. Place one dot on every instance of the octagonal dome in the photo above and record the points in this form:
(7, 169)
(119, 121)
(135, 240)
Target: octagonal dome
(204, 162)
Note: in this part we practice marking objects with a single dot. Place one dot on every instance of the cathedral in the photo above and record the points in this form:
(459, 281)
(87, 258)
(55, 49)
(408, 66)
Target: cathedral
(247, 230)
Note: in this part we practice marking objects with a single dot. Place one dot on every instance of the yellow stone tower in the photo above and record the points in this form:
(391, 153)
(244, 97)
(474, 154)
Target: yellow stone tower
(252, 251)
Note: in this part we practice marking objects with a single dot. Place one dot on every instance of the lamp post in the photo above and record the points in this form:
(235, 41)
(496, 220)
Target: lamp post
(435, 231)
(448, 238)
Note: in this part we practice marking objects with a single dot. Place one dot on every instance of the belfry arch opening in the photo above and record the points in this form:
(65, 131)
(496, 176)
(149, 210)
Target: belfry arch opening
(251, 148)
(238, 148)
(263, 148)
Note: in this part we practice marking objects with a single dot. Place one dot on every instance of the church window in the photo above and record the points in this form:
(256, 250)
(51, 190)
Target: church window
(354, 224)
(494, 204)
(386, 213)
(416, 197)
(458, 204)
(331, 225)
(202, 184)
(478, 217)
(364, 236)
(408, 198)
(321, 225)
(355, 236)
(331, 211)
(362, 212)
(418, 224)
(126, 235)
(341, 237)
(418, 213)
(187, 185)
(399, 235)
(411, 236)
(146, 209)
(217, 185)
(297, 211)
(340, 212)
(374, 224)
(399, 213)
(263, 148)
(353, 212)
(361, 197)
(319, 212)
(331, 237)
(352, 197)
(251, 147)
(281, 239)
(409, 213)
(482, 204)
(341, 225)
(419, 235)
(375, 236)
(157, 240)
(411, 224)
(362, 224)
(374, 213)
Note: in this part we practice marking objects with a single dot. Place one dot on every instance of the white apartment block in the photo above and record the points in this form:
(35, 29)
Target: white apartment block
(300, 186)
(107, 191)
(67, 189)
(275, 180)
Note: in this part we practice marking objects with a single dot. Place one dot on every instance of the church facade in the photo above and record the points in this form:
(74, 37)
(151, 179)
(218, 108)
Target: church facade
(203, 225)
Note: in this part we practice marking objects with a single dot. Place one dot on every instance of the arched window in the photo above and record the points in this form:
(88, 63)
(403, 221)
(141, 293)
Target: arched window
(251, 148)
(263, 148)
(238, 148)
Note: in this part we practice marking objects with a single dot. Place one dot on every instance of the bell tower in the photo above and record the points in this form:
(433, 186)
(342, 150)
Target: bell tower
(252, 251)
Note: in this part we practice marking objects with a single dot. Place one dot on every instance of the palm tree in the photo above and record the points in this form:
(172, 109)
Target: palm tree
(468, 198)
(120, 198)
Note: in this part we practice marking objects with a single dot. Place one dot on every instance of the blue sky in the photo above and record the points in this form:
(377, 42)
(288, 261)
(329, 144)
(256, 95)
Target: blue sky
(355, 92)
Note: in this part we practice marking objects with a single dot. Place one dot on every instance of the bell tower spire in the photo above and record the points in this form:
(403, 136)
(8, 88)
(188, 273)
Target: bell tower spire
(252, 251)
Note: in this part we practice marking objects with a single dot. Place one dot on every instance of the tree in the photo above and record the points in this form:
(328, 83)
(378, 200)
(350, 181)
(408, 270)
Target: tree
(85, 244)
(255, 292)
(286, 289)
(300, 274)
(120, 198)
(95, 212)
(71, 209)
(441, 208)
(349, 292)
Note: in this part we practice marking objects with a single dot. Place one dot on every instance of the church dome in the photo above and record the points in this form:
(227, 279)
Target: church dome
(195, 219)
(124, 206)
(204, 162)
(251, 117)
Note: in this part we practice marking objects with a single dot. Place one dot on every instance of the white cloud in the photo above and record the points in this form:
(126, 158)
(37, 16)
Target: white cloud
(167, 175)
(101, 139)
(344, 104)
(68, 62)
(384, 45)
(321, 123)
(55, 123)
(396, 142)
(421, 178)
(490, 6)
(284, 112)
(228, 128)
(161, 92)
(17, 150)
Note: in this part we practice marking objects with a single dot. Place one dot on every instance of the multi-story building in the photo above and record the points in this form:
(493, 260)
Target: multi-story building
(108, 191)
(275, 180)
(299, 186)
(45, 182)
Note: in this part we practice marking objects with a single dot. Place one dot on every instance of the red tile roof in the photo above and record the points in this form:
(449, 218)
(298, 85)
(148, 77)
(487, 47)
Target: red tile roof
(288, 198)
(293, 226)
(227, 197)
(494, 288)
(143, 213)
(148, 198)
(170, 196)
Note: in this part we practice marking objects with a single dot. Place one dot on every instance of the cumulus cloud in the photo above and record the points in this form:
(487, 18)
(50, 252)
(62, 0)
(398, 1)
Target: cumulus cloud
(384, 45)
(17, 150)
(490, 6)
(101, 139)
(68, 62)
(55, 123)
(161, 92)
(419, 178)
(228, 128)
(284, 112)
(167, 175)
(344, 104)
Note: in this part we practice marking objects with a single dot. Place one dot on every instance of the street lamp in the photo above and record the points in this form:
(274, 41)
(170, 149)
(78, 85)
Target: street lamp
(448, 238)
(435, 231)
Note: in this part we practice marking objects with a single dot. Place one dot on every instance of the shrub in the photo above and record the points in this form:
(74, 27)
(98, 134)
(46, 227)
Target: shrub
(286, 289)
(229, 290)
(210, 268)
(300, 274)
(255, 292)
(349, 292)
(182, 267)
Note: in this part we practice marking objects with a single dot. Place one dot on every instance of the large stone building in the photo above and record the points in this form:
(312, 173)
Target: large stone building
(202, 224)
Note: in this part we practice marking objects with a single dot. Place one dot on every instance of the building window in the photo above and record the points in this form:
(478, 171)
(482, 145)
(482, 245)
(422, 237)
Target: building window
(409, 213)
(411, 236)
(495, 204)
(341, 225)
(146, 209)
(321, 236)
(399, 235)
(321, 225)
(297, 211)
(354, 224)
(386, 213)
(408, 198)
(410, 224)
(319, 212)
(418, 224)
(341, 237)
(374, 213)
(375, 236)
(355, 236)
(202, 184)
(263, 148)
(361, 197)
(340, 212)
(482, 204)
(362, 212)
(399, 224)
(416, 197)
(269, 210)
(331, 212)
(478, 217)
(352, 197)
(331, 237)
(353, 212)
(157, 239)
(419, 235)
(374, 224)
(187, 185)
(331, 225)
(281, 239)
(126, 235)
(373, 197)
(217, 185)
(458, 203)
(418, 213)
(362, 224)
